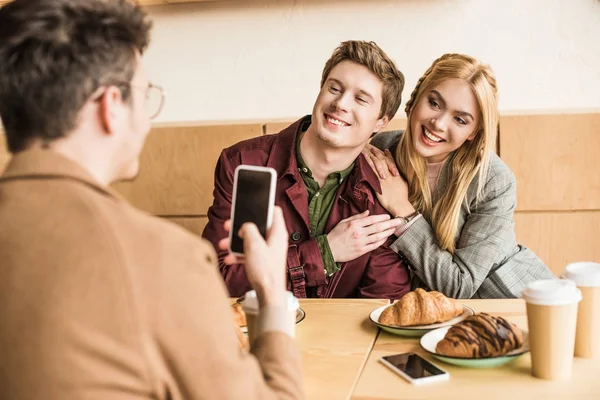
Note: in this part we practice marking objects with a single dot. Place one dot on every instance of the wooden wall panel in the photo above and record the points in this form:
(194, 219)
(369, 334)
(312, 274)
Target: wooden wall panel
(193, 224)
(556, 159)
(275, 127)
(177, 168)
(560, 238)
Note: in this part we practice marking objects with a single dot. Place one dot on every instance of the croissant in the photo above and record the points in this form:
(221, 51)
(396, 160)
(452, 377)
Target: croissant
(480, 336)
(420, 308)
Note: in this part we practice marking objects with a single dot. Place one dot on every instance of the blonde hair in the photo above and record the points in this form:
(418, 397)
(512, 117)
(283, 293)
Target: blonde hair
(464, 163)
(370, 55)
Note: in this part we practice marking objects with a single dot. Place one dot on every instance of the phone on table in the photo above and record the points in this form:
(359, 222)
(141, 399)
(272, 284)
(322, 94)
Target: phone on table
(253, 201)
(414, 368)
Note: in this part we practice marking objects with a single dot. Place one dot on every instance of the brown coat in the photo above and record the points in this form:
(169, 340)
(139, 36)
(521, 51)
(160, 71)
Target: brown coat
(101, 301)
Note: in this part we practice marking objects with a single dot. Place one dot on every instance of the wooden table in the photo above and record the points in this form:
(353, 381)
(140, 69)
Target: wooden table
(509, 382)
(335, 340)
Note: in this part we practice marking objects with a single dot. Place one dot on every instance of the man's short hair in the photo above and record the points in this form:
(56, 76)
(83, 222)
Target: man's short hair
(374, 58)
(54, 54)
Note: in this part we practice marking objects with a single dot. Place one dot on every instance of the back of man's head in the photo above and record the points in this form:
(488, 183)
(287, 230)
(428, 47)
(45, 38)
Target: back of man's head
(54, 54)
(375, 59)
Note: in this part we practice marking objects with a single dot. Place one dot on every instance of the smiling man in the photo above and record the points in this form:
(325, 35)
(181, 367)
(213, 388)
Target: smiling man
(338, 230)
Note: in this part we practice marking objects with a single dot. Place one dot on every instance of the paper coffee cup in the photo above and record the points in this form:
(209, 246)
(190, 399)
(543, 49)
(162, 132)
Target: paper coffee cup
(252, 310)
(552, 318)
(586, 276)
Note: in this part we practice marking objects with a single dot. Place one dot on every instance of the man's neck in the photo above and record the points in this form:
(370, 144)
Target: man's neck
(80, 154)
(324, 160)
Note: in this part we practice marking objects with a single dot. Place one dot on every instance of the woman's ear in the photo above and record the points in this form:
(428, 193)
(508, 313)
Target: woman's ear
(476, 132)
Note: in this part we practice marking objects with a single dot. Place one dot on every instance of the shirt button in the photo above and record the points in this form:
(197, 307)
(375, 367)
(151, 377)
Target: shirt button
(296, 236)
(317, 194)
(305, 170)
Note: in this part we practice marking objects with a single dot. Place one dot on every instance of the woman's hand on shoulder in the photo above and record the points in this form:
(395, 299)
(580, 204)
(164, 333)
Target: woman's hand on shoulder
(382, 162)
(394, 189)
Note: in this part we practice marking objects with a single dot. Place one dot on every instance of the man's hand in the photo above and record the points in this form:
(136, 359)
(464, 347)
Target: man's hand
(352, 237)
(265, 261)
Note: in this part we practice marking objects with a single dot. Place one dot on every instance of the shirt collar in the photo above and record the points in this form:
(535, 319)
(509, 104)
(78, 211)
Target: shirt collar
(284, 160)
(48, 164)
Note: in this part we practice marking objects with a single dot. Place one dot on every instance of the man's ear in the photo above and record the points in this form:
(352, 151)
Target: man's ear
(381, 123)
(110, 103)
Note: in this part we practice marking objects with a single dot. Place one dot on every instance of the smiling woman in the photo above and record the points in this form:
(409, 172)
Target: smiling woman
(456, 196)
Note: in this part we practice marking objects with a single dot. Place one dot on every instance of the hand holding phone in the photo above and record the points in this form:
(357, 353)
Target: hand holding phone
(414, 368)
(266, 260)
(253, 201)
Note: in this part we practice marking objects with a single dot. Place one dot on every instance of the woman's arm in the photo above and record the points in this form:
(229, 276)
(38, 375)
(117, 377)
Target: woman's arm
(486, 239)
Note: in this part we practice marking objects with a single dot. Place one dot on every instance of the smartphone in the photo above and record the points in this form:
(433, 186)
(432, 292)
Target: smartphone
(414, 368)
(253, 201)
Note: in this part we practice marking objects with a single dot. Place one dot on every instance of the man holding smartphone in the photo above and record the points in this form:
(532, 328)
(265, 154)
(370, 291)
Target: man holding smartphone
(99, 300)
(338, 230)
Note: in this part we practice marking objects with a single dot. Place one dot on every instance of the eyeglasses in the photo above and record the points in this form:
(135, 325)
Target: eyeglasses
(155, 96)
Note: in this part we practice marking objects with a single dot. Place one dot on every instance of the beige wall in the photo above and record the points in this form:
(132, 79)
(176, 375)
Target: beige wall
(262, 59)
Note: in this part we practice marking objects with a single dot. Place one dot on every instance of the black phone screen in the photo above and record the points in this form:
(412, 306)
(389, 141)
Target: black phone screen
(413, 365)
(251, 204)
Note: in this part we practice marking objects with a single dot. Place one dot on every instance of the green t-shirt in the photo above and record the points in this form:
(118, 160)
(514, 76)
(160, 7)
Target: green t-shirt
(320, 202)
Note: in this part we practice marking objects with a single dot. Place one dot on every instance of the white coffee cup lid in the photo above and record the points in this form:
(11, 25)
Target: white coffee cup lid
(585, 274)
(552, 292)
(250, 303)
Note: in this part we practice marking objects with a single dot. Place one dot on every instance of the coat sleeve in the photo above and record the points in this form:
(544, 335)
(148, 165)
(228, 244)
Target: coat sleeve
(386, 275)
(220, 211)
(305, 254)
(486, 240)
(199, 342)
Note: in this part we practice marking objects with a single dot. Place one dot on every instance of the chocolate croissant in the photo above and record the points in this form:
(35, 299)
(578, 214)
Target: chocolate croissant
(480, 336)
(421, 308)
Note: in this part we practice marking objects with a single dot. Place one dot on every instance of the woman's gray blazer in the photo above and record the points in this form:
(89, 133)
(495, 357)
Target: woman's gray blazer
(487, 261)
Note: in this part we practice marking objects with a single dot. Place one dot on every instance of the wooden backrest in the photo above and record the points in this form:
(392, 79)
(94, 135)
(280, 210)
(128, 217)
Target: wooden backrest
(554, 158)
(177, 168)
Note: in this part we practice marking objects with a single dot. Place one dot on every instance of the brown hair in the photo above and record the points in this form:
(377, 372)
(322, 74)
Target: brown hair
(466, 162)
(54, 54)
(374, 58)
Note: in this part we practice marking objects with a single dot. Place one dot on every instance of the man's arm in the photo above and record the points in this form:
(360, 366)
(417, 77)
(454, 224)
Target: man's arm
(220, 211)
(195, 332)
(386, 276)
(305, 254)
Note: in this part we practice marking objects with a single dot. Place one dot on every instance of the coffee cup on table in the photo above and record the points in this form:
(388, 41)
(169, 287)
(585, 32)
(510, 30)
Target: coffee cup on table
(252, 311)
(586, 276)
(552, 319)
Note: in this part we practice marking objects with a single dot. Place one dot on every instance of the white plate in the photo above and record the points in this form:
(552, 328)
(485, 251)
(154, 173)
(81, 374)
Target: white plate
(430, 340)
(416, 330)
